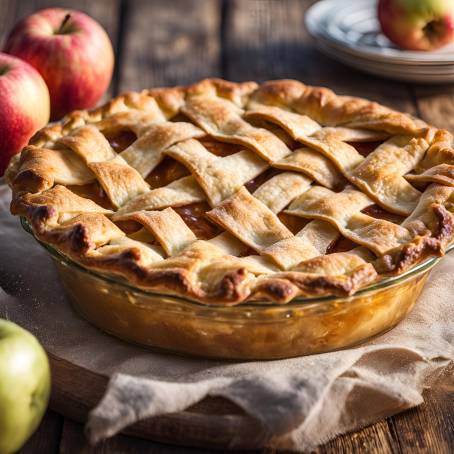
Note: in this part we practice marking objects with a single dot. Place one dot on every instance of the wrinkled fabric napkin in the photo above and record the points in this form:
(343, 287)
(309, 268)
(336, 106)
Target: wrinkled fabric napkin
(300, 402)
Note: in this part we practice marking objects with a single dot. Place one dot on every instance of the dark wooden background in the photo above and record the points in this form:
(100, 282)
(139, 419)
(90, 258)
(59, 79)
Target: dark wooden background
(168, 42)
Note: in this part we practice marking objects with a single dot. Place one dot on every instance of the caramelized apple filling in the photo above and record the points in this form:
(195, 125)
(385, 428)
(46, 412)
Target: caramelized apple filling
(365, 148)
(129, 226)
(92, 191)
(253, 184)
(165, 172)
(342, 244)
(194, 216)
(220, 148)
(293, 223)
(120, 140)
(378, 212)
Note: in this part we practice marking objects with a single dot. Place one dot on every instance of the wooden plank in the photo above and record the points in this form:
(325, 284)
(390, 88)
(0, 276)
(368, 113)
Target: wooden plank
(74, 442)
(436, 104)
(374, 439)
(106, 12)
(47, 437)
(430, 427)
(169, 42)
(266, 39)
(7, 18)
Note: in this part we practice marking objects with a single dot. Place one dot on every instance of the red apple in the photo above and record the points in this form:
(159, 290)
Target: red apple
(24, 106)
(417, 24)
(71, 51)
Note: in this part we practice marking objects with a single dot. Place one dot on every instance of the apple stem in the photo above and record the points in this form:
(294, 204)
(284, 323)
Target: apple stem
(61, 30)
(432, 29)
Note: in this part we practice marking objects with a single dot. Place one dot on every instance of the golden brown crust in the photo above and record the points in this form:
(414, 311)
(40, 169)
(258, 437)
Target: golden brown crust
(75, 152)
(432, 244)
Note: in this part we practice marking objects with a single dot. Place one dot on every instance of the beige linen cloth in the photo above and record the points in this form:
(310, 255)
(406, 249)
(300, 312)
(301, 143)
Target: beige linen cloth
(301, 402)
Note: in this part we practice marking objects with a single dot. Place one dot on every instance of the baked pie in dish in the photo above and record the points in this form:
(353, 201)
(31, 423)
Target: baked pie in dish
(225, 193)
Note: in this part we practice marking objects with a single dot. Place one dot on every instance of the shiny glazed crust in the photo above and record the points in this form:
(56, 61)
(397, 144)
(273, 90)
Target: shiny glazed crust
(305, 132)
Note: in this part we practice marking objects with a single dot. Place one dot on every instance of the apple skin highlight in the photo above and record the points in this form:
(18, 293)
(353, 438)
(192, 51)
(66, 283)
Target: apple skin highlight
(24, 106)
(71, 51)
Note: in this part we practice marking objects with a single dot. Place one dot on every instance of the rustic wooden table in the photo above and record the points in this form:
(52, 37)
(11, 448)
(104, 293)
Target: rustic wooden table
(168, 42)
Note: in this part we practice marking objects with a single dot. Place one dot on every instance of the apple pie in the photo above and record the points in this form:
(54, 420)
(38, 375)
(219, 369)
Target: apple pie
(226, 192)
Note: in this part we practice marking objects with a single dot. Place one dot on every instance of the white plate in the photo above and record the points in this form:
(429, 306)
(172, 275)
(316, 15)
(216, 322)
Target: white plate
(384, 71)
(354, 28)
(392, 67)
(390, 62)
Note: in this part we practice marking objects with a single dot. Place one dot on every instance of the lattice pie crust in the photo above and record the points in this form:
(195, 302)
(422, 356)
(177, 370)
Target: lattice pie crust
(225, 192)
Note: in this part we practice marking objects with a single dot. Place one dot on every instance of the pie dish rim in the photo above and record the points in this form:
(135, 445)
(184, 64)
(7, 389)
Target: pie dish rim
(424, 266)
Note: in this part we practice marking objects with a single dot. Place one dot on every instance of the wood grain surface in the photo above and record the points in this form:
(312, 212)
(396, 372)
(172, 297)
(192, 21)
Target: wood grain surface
(168, 42)
(184, 48)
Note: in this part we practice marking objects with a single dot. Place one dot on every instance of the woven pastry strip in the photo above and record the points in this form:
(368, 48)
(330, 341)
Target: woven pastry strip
(183, 191)
(344, 211)
(438, 163)
(390, 161)
(394, 158)
(147, 151)
(219, 177)
(222, 120)
(312, 164)
(50, 167)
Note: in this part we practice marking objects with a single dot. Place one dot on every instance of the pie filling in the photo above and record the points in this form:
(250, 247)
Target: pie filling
(92, 191)
(291, 189)
(121, 139)
(167, 170)
(365, 148)
(194, 217)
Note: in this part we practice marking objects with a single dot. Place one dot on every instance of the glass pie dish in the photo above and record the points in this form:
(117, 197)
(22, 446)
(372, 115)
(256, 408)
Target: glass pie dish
(258, 330)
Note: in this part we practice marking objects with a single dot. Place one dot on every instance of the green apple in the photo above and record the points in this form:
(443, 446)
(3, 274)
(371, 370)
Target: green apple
(24, 385)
